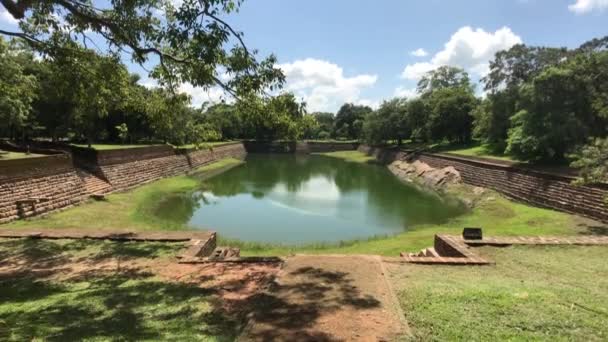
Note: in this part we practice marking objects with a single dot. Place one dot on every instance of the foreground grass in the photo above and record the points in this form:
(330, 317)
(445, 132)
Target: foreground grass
(128, 210)
(100, 305)
(532, 293)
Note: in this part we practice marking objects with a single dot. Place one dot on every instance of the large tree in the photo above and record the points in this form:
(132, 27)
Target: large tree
(191, 42)
(349, 120)
(17, 89)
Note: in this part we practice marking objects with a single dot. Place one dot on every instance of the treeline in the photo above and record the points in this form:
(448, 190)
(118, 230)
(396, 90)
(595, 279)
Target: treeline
(82, 96)
(541, 104)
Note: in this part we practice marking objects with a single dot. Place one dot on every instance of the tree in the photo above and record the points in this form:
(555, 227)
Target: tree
(349, 121)
(226, 119)
(417, 118)
(520, 64)
(17, 90)
(276, 118)
(192, 42)
(448, 98)
(450, 114)
(389, 122)
(592, 159)
(325, 124)
(443, 77)
(551, 120)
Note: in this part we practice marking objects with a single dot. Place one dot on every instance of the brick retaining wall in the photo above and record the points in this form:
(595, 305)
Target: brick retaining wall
(545, 189)
(136, 172)
(32, 186)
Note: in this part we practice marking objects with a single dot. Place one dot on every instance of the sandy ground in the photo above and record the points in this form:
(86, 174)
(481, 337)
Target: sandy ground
(327, 298)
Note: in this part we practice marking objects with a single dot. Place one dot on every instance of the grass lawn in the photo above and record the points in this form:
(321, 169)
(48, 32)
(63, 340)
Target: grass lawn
(351, 156)
(206, 144)
(482, 151)
(74, 290)
(102, 147)
(531, 294)
(6, 155)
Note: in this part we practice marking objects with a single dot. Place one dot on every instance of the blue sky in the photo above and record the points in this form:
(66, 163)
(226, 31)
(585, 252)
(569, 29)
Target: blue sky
(361, 51)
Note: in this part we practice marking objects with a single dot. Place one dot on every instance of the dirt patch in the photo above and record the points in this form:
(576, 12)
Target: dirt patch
(232, 283)
(327, 298)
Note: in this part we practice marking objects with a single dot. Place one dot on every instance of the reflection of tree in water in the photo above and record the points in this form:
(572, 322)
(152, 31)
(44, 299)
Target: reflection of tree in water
(180, 207)
(388, 199)
(386, 195)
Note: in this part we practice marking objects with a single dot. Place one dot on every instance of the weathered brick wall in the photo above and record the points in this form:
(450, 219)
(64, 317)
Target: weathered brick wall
(129, 174)
(532, 186)
(35, 166)
(320, 147)
(298, 147)
(32, 186)
(201, 157)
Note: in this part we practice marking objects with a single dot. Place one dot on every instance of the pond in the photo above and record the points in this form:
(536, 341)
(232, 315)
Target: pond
(300, 199)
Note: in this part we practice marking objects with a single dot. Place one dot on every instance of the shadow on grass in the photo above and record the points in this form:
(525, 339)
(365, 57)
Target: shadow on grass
(122, 304)
(289, 311)
(596, 231)
(112, 307)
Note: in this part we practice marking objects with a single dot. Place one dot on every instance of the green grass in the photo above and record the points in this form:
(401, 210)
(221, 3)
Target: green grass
(6, 155)
(478, 150)
(531, 294)
(350, 156)
(206, 144)
(103, 147)
(96, 305)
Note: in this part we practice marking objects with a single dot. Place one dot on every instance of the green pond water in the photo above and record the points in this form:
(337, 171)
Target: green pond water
(299, 199)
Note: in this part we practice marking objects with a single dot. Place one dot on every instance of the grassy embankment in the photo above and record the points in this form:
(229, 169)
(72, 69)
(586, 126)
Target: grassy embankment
(496, 214)
(6, 155)
(105, 147)
(83, 290)
(124, 210)
(531, 294)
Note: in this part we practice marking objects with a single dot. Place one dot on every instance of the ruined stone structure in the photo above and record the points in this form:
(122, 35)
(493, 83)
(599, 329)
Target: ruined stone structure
(33, 186)
(540, 187)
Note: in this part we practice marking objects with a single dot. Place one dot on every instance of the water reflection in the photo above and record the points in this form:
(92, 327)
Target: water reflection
(299, 199)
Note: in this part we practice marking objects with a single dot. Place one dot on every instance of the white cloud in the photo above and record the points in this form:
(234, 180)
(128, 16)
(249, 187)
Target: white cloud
(467, 48)
(409, 93)
(322, 84)
(586, 6)
(419, 53)
(200, 95)
(6, 17)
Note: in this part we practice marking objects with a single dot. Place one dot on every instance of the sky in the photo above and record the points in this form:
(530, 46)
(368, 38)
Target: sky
(364, 52)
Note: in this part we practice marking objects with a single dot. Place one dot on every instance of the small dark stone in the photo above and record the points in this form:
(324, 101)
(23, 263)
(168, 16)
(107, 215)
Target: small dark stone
(472, 234)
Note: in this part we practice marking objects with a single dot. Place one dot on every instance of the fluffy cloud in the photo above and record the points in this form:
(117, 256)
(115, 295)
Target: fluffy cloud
(409, 93)
(419, 53)
(199, 95)
(323, 85)
(6, 17)
(586, 6)
(467, 48)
